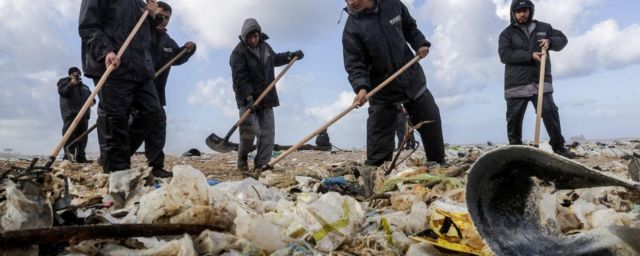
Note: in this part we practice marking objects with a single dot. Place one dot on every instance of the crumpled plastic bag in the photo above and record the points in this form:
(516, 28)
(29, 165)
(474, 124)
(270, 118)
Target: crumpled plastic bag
(180, 247)
(250, 189)
(127, 186)
(332, 220)
(26, 210)
(184, 201)
(213, 243)
(450, 227)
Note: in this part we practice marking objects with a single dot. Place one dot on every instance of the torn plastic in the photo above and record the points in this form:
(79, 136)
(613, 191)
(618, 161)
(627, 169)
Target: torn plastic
(26, 208)
(503, 200)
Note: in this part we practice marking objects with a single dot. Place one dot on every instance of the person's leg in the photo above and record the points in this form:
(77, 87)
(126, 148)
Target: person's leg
(248, 132)
(266, 137)
(401, 126)
(516, 108)
(65, 126)
(380, 135)
(551, 120)
(114, 108)
(151, 123)
(80, 155)
(137, 133)
(422, 109)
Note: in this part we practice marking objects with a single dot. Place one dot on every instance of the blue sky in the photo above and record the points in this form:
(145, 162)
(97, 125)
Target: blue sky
(595, 76)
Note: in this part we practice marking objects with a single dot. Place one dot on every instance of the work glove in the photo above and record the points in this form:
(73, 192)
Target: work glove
(297, 53)
(249, 103)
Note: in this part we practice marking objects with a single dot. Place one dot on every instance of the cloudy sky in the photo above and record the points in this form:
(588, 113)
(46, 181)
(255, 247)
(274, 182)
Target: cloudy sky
(596, 76)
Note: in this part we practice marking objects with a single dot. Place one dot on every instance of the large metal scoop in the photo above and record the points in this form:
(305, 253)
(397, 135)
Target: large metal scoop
(503, 199)
(223, 145)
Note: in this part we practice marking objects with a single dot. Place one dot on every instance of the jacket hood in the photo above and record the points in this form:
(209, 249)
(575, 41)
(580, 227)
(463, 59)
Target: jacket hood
(249, 26)
(374, 10)
(518, 4)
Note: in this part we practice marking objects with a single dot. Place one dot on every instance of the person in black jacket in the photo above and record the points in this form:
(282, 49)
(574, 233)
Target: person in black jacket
(164, 50)
(377, 41)
(252, 66)
(520, 49)
(104, 25)
(73, 95)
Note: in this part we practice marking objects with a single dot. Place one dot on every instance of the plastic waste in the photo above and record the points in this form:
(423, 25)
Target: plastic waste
(26, 208)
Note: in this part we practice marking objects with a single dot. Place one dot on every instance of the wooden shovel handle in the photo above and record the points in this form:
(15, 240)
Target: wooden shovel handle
(543, 64)
(344, 112)
(103, 79)
(266, 91)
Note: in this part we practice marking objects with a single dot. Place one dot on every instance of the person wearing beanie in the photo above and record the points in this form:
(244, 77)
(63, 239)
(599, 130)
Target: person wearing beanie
(73, 94)
(252, 67)
(164, 49)
(520, 49)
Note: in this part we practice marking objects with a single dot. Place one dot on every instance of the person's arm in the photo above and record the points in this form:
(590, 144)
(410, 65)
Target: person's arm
(240, 76)
(355, 62)
(510, 56)
(91, 30)
(64, 87)
(191, 49)
(557, 40)
(412, 34)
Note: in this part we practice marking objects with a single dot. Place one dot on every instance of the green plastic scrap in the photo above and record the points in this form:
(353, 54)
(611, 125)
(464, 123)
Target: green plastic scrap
(332, 227)
(384, 224)
(390, 185)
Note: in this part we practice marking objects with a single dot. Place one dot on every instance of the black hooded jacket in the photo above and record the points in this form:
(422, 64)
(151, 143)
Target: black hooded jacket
(104, 25)
(375, 47)
(165, 50)
(516, 48)
(251, 76)
(72, 98)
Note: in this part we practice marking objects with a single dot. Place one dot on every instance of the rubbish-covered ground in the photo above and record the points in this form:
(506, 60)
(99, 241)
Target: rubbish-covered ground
(313, 203)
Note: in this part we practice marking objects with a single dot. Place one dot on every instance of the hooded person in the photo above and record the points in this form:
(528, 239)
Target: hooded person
(252, 67)
(520, 49)
(73, 94)
(379, 38)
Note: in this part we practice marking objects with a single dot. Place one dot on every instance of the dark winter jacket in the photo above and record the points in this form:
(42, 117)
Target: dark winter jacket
(375, 47)
(165, 50)
(516, 49)
(251, 73)
(104, 26)
(72, 98)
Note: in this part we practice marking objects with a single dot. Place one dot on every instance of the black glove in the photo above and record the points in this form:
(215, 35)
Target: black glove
(249, 102)
(298, 54)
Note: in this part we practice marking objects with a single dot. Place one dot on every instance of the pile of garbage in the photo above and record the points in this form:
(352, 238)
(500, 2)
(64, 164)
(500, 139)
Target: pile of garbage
(333, 206)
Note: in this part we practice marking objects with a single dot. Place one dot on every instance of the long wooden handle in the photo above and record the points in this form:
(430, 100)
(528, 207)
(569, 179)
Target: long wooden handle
(103, 79)
(344, 112)
(266, 91)
(170, 63)
(543, 64)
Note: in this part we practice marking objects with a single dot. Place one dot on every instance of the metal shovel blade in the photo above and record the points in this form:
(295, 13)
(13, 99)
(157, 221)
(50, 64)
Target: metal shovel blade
(219, 144)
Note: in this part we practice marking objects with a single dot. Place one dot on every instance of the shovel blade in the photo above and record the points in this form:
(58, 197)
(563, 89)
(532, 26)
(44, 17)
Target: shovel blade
(218, 144)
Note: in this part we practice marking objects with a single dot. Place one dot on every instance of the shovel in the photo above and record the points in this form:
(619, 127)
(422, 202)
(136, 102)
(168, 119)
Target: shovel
(160, 71)
(223, 145)
(341, 115)
(87, 104)
(543, 64)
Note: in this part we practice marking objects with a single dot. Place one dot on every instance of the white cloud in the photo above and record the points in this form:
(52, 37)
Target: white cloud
(327, 112)
(218, 93)
(218, 23)
(605, 45)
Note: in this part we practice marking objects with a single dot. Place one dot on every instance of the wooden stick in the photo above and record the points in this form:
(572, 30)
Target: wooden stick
(75, 234)
(343, 113)
(170, 63)
(266, 91)
(89, 102)
(543, 64)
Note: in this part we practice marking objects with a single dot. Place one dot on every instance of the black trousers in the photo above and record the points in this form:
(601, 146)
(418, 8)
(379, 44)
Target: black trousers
(154, 139)
(117, 98)
(516, 108)
(381, 129)
(77, 150)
